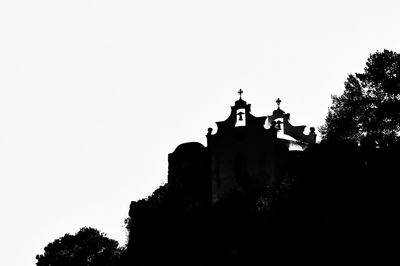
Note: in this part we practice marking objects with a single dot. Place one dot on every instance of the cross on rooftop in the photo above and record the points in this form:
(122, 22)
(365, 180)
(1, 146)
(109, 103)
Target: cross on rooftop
(240, 93)
(278, 101)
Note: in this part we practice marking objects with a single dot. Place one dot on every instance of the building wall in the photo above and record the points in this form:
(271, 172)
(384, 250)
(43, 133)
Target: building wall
(245, 159)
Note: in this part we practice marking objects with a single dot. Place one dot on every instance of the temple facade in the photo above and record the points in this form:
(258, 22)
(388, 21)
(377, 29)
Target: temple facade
(245, 154)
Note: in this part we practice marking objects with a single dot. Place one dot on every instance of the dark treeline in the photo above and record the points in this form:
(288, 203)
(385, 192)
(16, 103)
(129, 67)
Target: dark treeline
(338, 207)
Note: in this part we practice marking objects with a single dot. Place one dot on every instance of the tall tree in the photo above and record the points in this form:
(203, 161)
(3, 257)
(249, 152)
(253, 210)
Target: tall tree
(369, 107)
(87, 247)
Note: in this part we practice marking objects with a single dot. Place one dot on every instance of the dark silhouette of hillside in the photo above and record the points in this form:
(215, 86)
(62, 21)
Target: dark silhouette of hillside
(337, 206)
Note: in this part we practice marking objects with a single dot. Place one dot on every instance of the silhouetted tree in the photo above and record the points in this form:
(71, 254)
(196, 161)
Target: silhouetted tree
(370, 105)
(87, 247)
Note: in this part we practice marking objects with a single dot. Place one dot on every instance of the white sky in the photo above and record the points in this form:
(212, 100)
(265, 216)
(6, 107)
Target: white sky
(95, 94)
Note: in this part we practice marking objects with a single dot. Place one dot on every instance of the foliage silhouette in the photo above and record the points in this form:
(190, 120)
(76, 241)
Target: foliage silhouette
(87, 247)
(368, 110)
(336, 207)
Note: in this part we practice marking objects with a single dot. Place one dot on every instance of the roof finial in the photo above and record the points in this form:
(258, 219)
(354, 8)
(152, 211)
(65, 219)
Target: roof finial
(240, 93)
(278, 101)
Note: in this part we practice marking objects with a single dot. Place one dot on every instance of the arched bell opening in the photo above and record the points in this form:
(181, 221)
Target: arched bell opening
(240, 117)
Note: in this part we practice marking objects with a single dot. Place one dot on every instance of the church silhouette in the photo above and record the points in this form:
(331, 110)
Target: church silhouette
(245, 155)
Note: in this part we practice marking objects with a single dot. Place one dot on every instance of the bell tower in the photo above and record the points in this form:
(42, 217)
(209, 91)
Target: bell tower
(244, 155)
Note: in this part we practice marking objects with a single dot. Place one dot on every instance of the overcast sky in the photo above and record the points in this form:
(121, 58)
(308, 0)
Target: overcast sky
(95, 94)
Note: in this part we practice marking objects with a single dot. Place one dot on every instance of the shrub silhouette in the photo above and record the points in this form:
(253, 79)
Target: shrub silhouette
(87, 247)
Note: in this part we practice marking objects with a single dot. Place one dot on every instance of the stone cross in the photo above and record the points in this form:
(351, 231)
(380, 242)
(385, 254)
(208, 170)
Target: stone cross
(278, 101)
(240, 93)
